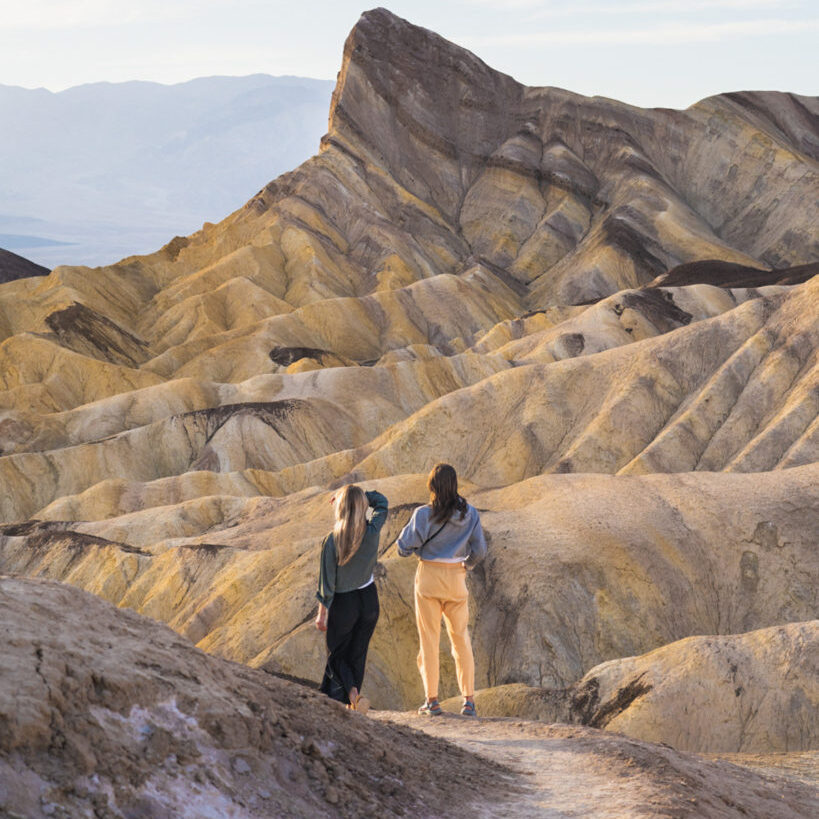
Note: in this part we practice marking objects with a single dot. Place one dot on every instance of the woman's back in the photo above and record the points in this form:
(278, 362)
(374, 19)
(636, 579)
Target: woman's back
(458, 539)
(348, 598)
(447, 535)
(358, 569)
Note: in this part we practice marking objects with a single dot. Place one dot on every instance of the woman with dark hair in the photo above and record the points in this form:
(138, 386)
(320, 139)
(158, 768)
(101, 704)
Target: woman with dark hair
(446, 535)
(348, 600)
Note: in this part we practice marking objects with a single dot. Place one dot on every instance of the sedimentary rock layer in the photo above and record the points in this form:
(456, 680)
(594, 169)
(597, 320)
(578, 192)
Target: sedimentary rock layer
(521, 281)
(756, 692)
(574, 576)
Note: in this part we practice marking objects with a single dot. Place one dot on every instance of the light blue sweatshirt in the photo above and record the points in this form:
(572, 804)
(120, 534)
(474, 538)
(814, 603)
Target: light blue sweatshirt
(460, 541)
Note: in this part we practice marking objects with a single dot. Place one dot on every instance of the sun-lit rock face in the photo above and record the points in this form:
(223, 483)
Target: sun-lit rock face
(582, 569)
(756, 692)
(521, 281)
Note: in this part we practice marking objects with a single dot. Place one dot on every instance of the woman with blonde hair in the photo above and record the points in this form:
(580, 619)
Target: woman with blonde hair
(348, 600)
(446, 535)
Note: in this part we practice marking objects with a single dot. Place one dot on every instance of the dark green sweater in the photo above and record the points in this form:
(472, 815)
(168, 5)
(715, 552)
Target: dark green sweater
(359, 568)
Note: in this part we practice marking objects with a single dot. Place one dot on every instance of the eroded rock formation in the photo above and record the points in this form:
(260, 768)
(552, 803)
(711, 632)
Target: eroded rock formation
(106, 713)
(753, 693)
(756, 692)
(521, 281)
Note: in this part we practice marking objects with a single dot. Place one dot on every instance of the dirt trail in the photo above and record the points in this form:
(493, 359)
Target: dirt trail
(568, 771)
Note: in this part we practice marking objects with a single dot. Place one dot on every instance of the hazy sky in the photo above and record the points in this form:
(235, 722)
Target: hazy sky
(646, 52)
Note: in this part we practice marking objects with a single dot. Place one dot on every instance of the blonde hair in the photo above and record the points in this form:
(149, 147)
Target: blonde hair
(351, 521)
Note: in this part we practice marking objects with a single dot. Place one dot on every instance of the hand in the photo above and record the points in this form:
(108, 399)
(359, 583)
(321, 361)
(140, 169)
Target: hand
(321, 619)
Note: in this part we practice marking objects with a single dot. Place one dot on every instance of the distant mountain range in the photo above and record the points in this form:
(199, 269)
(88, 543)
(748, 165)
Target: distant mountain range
(103, 171)
(13, 267)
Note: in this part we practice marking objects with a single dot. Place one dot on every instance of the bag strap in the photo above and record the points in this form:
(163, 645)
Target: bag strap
(436, 532)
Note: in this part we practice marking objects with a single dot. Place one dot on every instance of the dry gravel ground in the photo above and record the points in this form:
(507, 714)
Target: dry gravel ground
(572, 771)
(800, 766)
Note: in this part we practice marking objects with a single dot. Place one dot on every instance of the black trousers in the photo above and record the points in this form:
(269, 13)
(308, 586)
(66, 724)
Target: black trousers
(350, 625)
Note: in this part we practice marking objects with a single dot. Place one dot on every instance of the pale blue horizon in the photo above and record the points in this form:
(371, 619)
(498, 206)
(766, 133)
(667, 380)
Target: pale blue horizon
(664, 53)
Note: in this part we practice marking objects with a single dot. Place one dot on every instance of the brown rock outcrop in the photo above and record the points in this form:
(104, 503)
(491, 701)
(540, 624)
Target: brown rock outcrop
(756, 692)
(103, 712)
(14, 267)
(728, 274)
(753, 693)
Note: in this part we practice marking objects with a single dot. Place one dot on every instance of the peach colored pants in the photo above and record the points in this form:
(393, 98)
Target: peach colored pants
(440, 589)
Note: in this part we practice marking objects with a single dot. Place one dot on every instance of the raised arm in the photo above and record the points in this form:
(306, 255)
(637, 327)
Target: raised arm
(380, 507)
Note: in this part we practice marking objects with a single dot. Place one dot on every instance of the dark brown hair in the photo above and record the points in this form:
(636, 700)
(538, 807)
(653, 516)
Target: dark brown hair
(443, 493)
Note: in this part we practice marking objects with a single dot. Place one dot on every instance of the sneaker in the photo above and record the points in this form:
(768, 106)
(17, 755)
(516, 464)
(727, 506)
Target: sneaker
(431, 708)
(468, 709)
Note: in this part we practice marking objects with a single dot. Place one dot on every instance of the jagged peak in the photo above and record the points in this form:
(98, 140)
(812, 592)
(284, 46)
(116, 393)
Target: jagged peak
(402, 87)
(382, 36)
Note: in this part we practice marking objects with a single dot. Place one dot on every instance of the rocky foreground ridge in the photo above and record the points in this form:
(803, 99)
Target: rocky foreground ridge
(604, 317)
(104, 713)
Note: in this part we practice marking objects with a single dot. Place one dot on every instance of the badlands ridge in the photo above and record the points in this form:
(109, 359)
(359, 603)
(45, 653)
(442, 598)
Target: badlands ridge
(604, 317)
